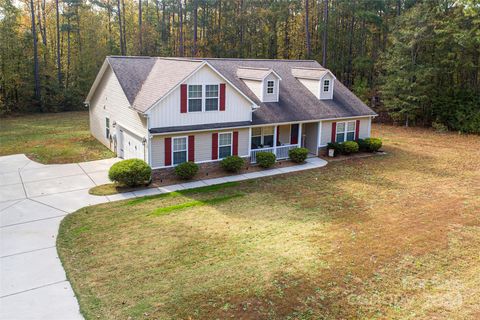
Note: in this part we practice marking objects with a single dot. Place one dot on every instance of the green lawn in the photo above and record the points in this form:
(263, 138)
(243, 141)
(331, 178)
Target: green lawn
(51, 138)
(394, 236)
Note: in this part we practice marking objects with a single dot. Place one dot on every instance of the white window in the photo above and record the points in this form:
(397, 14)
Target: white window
(224, 145)
(262, 137)
(211, 97)
(345, 131)
(194, 98)
(179, 150)
(270, 86)
(107, 128)
(326, 85)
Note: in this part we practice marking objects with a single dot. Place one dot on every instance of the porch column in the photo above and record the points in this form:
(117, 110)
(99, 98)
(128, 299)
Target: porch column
(299, 135)
(275, 140)
(319, 137)
(249, 142)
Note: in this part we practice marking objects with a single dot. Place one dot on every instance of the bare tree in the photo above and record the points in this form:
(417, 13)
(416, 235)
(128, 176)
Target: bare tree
(307, 31)
(195, 25)
(36, 67)
(59, 66)
(325, 33)
(140, 31)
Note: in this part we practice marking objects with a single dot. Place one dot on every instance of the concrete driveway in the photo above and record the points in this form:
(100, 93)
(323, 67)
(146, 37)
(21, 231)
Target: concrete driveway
(34, 198)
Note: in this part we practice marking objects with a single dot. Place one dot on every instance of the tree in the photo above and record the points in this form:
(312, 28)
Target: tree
(36, 68)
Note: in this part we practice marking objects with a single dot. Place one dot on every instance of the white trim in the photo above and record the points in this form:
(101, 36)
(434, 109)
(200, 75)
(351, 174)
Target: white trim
(249, 140)
(319, 136)
(345, 130)
(218, 143)
(186, 145)
(259, 125)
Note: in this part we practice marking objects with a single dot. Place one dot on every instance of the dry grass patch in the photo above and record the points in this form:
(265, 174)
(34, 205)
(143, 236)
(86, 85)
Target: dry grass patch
(51, 138)
(394, 236)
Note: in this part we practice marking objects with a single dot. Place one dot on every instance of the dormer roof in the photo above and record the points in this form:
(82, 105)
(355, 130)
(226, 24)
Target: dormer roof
(311, 73)
(255, 73)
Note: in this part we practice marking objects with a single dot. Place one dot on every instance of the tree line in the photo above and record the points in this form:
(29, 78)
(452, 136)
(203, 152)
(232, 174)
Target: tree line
(415, 62)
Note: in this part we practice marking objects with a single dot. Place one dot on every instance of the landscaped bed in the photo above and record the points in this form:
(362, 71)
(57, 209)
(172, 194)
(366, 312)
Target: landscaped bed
(51, 138)
(395, 236)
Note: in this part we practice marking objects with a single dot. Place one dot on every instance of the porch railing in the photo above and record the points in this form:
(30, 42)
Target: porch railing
(281, 152)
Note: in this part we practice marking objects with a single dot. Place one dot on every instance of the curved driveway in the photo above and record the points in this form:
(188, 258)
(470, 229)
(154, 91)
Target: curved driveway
(34, 198)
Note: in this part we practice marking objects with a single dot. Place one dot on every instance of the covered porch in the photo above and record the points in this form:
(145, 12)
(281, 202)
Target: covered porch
(280, 139)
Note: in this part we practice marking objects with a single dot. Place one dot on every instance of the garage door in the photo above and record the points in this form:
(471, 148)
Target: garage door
(130, 146)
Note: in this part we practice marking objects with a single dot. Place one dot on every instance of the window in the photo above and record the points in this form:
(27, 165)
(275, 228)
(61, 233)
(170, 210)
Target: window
(224, 145)
(211, 97)
(345, 131)
(270, 85)
(326, 85)
(107, 128)
(194, 98)
(179, 150)
(262, 137)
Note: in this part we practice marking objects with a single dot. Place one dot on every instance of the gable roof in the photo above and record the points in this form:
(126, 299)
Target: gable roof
(255, 73)
(145, 80)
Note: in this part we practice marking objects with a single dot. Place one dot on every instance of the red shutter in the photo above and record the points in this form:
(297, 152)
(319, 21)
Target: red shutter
(222, 96)
(183, 98)
(214, 146)
(235, 143)
(191, 148)
(357, 130)
(334, 131)
(168, 151)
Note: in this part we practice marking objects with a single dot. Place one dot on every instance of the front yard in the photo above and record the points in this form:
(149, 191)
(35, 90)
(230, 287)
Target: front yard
(51, 138)
(394, 236)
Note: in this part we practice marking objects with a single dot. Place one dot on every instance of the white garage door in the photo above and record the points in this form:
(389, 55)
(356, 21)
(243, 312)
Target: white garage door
(130, 146)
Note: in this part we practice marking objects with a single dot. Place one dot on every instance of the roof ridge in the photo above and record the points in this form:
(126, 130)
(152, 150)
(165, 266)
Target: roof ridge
(130, 57)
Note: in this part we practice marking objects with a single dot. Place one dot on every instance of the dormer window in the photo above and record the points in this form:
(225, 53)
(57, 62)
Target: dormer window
(326, 85)
(270, 86)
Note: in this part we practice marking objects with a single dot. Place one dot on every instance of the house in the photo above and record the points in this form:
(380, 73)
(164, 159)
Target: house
(170, 110)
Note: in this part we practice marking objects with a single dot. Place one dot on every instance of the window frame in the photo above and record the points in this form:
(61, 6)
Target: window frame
(203, 97)
(195, 98)
(326, 85)
(107, 127)
(346, 131)
(231, 143)
(204, 102)
(173, 150)
(271, 87)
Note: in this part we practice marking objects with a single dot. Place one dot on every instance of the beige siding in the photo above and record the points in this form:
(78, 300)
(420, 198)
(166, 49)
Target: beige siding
(284, 134)
(203, 146)
(326, 134)
(166, 113)
(110, 101)
(255, 86)
(312, 85)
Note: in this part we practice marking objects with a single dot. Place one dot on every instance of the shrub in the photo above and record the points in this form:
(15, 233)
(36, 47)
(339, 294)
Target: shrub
(131, 172)
(232, 163)
(265, 159)
(298, 155)
(373, 144)
(362, 145)
(349, 147)
(186, 170)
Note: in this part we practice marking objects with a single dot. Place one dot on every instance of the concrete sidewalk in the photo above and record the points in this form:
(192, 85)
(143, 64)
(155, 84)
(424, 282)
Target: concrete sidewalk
(34, 198)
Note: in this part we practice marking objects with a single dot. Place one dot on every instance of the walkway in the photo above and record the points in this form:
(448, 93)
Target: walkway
(34, 198)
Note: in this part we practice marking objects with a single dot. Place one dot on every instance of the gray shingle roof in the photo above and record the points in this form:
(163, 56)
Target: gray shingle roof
(145, 80)
(296, 103)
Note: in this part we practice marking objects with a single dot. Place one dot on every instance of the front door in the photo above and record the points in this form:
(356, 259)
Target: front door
(294, 133)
